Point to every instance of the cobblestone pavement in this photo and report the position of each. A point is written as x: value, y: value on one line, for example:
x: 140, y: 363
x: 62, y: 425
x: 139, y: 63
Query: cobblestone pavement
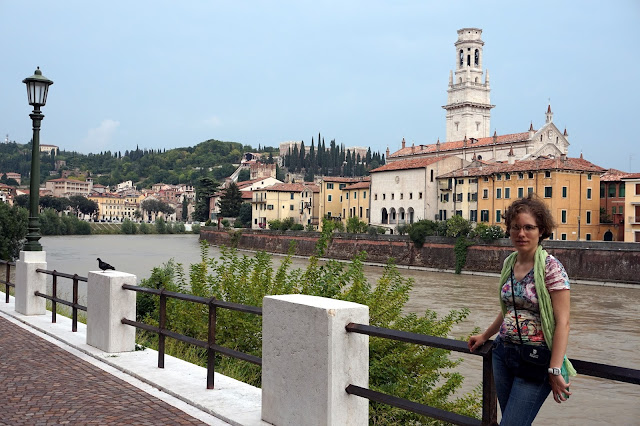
x: 41, y: 384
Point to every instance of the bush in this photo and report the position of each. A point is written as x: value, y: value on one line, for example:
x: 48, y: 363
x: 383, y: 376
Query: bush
x: 225, y: 223
x: 208, y: 222
x: 402, y: 229
x: 310, y: 227
x: 128, y: 227
x: 415, y: 372
x: 356, y: 226
x: 457, y: 226
x: 420, y: 230
x: 144, y: 228
x: 487, y: 233
x: 297, y: 227
x: 195, y: 228
x: 13, y: 226
x: 161, y: 226
x: 178, y: 228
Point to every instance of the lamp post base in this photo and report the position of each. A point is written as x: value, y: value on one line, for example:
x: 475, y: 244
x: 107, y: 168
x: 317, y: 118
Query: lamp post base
x: 33, y: 235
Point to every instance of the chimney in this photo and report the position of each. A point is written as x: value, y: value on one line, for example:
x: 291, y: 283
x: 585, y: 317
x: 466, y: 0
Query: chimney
x: 511, y: 156
x: 403, y: 143
x: 413, y: 148
x: 387, y: 152
x: 531, y: 131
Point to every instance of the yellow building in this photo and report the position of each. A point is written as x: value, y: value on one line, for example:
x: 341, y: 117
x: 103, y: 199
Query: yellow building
x: 331, y: 195
x: 632, y: 208
x: 299, y: 201
x: 458, y: 195
x: 114, y: 207
x: 568, y: 186
x: 355, y: 201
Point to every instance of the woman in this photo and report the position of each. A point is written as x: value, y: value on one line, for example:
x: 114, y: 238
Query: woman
x: 525, y: 275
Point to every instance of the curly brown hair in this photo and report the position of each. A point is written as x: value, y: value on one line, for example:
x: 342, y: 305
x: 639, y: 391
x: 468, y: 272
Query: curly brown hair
x: 533, y: 205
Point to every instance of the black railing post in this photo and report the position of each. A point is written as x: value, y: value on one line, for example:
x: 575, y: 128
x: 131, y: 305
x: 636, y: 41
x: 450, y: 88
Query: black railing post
x: 54, y: 291
x: 74, y: 309
x: 162, y: 323
x: 211, y: 340
x: 489, y: 398
x: 6, y: 282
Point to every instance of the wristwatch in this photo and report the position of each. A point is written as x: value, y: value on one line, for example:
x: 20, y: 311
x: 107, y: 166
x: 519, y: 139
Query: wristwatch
x: 554, y: 371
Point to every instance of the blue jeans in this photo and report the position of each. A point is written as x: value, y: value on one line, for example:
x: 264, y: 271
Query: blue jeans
x: 519, y: 400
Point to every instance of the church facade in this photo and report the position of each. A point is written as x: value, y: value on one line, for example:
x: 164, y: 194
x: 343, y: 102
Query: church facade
x: 468, y: 117
x: 468, y: 141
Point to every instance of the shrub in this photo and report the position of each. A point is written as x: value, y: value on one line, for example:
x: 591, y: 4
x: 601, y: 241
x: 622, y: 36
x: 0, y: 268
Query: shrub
x: 275, y: 224
x: 144, y: 228
x: 310, y: 227
x: 356, y: 226
x: 195, y: 228
x: 420, y: 230
x: 178, y: 228
x: 488, y: 233
x: 415, y: 372
x: 458, y: 226
x: 161, y: 226
x: 128, y: 227
x: 402, y: 229
x: 225, y: 223
x: 297, y: 227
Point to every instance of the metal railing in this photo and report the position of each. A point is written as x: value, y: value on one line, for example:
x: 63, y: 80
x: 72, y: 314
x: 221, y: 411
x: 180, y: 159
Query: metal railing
x: 489, y: 399
x: 7, y: 281
x: 55, y: 299
x: 210, y: 345
x: 489, y: 406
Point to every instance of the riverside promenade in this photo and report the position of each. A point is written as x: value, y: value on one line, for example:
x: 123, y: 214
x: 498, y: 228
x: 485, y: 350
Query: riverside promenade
x: 48, y: 375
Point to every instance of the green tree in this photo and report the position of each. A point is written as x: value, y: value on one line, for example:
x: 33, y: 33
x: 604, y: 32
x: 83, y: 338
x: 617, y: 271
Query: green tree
x: 356, y: 226
x: 156, y: 206
x: 244, y: 215
x: 230, y: 201
x: 13, y: 230
x: 83, y: 205
x: 204, y: 191
x: 244, y: 175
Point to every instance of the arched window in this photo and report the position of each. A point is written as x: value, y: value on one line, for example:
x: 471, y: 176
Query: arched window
x: 410, y: 214
x: 461, y: 57
x: 460, y: 80
x: 401, y: 215
x: 432, y: 172
x: 385, y: 216
x: 468, y: 60
x: 477, y: 58
x: 476, y: 80
x: 392, y: 216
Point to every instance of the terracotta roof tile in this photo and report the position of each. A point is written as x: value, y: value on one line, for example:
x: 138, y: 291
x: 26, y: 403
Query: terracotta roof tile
x: 411, y: 163
x: 449, y: 146
x: 291, y: 187
x: 359, y: 185
x: 542, y: 163
x: 341, y: 179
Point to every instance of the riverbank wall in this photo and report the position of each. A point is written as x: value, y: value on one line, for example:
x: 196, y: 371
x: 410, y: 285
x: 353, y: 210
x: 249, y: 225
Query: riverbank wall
x: 583, y: 260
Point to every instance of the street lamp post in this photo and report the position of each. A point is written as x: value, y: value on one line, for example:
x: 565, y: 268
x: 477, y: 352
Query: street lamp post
x: 37, y: 88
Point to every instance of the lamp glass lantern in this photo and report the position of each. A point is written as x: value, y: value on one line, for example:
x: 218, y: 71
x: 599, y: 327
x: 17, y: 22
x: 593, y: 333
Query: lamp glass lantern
x: 37, y: 88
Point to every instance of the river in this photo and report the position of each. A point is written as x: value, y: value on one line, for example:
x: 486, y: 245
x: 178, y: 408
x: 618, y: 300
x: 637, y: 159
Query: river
x: 605, y: 321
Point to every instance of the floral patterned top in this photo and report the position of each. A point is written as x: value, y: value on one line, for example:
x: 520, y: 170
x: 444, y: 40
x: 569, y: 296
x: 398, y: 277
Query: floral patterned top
x: 527, y: 304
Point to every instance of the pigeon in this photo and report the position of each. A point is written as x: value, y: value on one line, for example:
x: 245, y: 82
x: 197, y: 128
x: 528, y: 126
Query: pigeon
x: 104, y: 265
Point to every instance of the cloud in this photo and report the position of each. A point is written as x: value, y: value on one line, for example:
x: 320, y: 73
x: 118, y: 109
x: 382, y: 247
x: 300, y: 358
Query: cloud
x: 213, y: 121
x: 100, y: 137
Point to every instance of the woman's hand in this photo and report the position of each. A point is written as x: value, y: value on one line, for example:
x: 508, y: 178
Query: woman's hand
x: 476, y: 341
x: 559, y: 388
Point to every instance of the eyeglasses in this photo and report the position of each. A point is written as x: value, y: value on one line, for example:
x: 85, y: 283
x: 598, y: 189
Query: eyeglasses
x: 526, y: 228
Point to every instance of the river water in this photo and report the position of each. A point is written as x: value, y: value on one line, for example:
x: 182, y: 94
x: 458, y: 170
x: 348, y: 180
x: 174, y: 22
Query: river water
x: 605, y: 321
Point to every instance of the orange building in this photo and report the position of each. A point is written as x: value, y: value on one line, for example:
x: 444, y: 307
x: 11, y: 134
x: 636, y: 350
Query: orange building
x: 567, y: 186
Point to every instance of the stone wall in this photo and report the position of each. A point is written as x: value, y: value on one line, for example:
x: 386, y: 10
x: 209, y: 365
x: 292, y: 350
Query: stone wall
x: 584, y: 260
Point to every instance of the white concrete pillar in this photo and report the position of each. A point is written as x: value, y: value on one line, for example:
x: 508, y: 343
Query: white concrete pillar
x: 28, y: 281
x: 107, y: 304
x: 308, y: 359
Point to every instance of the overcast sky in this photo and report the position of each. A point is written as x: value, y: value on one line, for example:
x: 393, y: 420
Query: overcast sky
x: 167, y: 74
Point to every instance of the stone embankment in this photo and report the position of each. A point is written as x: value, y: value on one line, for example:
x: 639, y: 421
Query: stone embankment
x: 584, y: 260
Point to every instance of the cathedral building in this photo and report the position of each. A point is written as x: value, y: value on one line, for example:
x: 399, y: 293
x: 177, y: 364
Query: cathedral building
x: 468, y: 117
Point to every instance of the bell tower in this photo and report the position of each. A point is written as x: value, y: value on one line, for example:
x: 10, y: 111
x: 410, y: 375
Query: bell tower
x: 468, y: 102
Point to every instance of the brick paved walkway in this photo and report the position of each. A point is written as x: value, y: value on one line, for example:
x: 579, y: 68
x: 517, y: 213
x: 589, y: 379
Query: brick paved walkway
x: 41, y: 384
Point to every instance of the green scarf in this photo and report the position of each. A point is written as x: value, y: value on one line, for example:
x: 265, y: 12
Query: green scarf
x: 544, y: 300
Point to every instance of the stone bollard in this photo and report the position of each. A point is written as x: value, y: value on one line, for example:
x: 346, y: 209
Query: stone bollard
x: 107, y: 304
x: 28, y: 281
x: 308, y: 359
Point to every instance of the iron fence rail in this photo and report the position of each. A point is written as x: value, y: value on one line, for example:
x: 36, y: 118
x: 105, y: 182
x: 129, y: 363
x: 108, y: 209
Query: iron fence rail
x: 489, y: 399
x: 7, y: 281
x: 210, y: 345
x: 75, y: 306
x: 489, y: 406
